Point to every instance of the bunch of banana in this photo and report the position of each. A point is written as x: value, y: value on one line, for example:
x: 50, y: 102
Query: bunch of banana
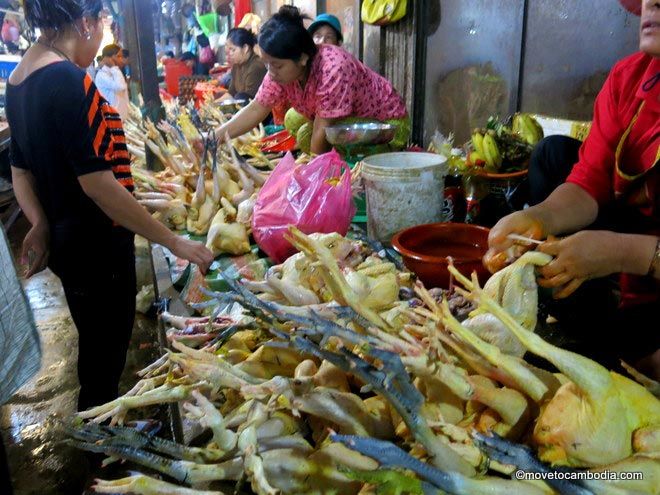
x: 485, y: 148
x: 527, y: 127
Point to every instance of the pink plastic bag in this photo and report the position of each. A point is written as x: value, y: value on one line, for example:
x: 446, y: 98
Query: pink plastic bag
x: 315, y: 197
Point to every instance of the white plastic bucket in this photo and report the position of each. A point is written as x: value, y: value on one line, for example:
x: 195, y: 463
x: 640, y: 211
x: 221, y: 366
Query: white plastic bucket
x: 402, y: 190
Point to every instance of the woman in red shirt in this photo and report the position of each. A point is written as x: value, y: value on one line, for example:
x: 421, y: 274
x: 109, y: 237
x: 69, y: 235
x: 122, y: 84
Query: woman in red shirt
x: 606, y: 205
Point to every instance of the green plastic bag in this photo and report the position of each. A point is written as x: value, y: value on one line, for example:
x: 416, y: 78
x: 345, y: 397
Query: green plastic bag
x: 208, y: 23
x: 383, y: 12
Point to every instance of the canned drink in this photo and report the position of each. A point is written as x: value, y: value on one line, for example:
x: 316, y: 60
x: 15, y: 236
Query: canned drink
x: 454, y: 207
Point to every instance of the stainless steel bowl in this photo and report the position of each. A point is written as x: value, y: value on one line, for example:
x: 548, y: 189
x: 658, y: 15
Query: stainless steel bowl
x: 231, y: 105
x: 364, y: 133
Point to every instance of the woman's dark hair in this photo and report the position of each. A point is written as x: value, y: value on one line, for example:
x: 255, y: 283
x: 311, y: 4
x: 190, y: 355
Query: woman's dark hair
x: 188, y: 56
x: 203, y: 40
x: 55, y: 14
x: 241, y: 37
x: 284, y: 35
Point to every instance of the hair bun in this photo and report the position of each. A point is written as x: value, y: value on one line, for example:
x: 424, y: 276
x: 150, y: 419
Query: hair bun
x: 291, y: 14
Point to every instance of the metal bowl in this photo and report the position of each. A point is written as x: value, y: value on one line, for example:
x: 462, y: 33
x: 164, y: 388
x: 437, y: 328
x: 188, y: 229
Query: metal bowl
x: 231, y: 105
x: 364, y: 133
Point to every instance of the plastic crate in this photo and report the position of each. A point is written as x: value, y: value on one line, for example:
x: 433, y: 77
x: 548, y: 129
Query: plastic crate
x: 174, y: 71
x: 7, y: 65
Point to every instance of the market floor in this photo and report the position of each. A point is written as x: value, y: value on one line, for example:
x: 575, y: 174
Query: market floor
x: 39, y: 460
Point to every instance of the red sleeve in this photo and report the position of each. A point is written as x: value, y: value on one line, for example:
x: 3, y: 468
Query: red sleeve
x: 595, y: 167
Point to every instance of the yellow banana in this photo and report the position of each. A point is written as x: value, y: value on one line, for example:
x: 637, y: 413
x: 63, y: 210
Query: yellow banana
x: 477, y: 142
x: 476, y: 157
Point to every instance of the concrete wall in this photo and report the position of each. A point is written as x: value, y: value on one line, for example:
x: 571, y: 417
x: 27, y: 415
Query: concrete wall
x: 568, y: 46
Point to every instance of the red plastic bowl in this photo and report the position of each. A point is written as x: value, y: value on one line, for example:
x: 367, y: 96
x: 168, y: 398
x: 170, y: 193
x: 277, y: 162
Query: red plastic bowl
x: 278, y: 142
x: 425, y: 250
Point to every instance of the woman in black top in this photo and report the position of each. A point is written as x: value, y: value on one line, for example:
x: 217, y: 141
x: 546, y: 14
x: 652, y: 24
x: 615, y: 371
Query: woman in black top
x: 72, y: 178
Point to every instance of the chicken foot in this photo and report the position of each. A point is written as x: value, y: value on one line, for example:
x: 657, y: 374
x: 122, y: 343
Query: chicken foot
x: 140, y: 484
x: 389, y: 455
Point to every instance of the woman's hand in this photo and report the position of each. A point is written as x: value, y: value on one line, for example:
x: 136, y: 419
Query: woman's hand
x: 582, y: 256
x: 193, y: 251
x: 521, y: 223
x: 121, y: 206
x: 35, y: 249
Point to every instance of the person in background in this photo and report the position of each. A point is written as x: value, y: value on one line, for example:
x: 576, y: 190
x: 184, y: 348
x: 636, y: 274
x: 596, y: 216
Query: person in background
x: 206, y: 54
x: 324, y: 83
x: 190, y: 59
x: 247, y: 70
x: 72, y: 178
x: 603, y: 197
x: 93, y: 69
x: 126, y: 60
x: 11, y: 33
x: 326, y: 29
x: 111, y: 81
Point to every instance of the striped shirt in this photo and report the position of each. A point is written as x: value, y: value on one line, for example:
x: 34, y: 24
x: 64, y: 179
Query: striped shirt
x: 62, y: 128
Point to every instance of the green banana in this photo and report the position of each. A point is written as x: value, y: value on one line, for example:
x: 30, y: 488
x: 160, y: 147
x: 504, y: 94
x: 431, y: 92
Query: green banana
x: 537, y: 128
x: 492, y: 152
x: 516, y: 126
x: 527, y: 127
x: 477, y: 142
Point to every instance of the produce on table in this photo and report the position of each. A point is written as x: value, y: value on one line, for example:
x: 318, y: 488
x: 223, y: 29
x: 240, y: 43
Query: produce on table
x: 500, y: 148
x: 311, y: 387
x: 210, y: 191
x: 293, y: 121
x: 527, y: 127
x: 304, y: 137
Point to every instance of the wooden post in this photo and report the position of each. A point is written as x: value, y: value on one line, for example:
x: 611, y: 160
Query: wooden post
x: 140, y: 40
x: 403, y: 62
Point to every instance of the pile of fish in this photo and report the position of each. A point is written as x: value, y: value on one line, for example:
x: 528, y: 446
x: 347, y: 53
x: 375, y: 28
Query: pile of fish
x: 338, y: 373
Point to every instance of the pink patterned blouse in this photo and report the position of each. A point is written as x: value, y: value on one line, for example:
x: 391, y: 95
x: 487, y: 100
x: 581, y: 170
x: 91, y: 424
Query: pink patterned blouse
x: 338, y: 86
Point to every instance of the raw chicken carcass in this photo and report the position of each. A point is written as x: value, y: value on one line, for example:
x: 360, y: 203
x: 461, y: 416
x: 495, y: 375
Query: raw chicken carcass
x: 515, y: 289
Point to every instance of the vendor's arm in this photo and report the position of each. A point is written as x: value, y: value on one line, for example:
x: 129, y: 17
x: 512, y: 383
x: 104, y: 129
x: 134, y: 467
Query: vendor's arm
x: 575, y: 204
x: 568, y: 209
x: 319, y: 142
x: 120, y: 205
x: 591, y: 254
x: 244, y: 121
x: 96, y: 150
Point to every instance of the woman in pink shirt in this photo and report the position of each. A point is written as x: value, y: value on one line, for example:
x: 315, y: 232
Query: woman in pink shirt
x: 326, y: 84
